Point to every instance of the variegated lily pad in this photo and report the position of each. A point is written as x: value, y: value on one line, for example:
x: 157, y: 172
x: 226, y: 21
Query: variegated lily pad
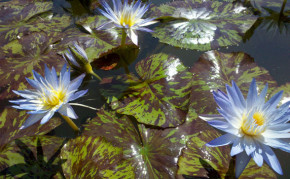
x: 94, y: 42
x: 160, y: 96
x: 202, y: 25
x: 214, y: 70
x: 30, y: 157
x: 11, y: 120
x: 153, y: 153
x: 199, y: 160
x: 19, y: 57
x: 94, y: 157
x: 21, y: 20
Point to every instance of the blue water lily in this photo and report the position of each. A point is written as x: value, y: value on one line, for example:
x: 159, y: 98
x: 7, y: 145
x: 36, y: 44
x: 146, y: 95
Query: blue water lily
x: 126, y: 16
x: 50, y: 94
x: 251, y: 125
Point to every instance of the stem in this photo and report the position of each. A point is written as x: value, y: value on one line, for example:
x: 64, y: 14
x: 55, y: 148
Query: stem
x: 82, y: 105
x: 71, y: 123
x: 95, y: 75
x: 123, y: 41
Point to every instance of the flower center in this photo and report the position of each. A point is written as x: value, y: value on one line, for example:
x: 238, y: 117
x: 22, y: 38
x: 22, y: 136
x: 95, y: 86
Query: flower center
x: 127, y: 19
x: 54, y: 99
x: 253, y: 125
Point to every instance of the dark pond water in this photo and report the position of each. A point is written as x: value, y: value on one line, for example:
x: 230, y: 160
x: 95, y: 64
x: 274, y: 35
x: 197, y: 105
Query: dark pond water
x: 266, y: 42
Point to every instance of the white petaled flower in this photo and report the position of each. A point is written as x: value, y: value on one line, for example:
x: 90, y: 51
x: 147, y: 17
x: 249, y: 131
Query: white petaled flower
x: 252, y: 126
x: 127, y: 16
x: 50, y: 94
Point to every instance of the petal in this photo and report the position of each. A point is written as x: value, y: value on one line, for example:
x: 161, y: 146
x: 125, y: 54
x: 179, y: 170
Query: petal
x: 107, y: 25
x: 277, y: 116
x: 242, y: 161
x: 252, y: 95
x: 234, y: 98
x: 47, y: 117
x: 271, y: 159
x: 222, y: 140
x: 249, y: 144
x: 77, y: 95
x: 273, y: 102
x: 237, y: 147
x: 68, y: 111
x: 133, y: 36
x: 257, y: 155
x: 31, y: 120
x: 278, y: 143
x: 75, y: 84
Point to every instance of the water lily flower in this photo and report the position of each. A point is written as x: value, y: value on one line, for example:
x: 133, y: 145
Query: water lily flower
x: 78, y: 59
x: 251, y: 125
x: 126, y: 16
x: 50, y: 94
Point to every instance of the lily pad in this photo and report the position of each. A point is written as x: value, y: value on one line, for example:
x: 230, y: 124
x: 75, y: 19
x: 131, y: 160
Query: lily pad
x: 160, y: 95
x: 202, y: 25
x: 32, y: 157
x: 286, y: 92
x: 153, y: 153
x: 94, y: 42
x: 215, y: 69
x: 23, y: 20
x: 199, y: 160
x: 20, y: 57
x: 11, y: 120
x: 94, y: 157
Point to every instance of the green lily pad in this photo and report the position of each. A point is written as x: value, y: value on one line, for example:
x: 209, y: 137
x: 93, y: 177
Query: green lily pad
x: 21, y: 20
x: 153, y: 153
x: 160, y: 95
x: 94, y: 42
x: 202, y: 25
x: 94, y: 157
x: 11, y: 120
x: 199, y: 160
x: 21, y: 57
x: 215, y: 69
x: 32, y: 157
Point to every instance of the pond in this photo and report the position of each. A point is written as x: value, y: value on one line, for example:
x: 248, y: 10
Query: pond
x: 146, y: 95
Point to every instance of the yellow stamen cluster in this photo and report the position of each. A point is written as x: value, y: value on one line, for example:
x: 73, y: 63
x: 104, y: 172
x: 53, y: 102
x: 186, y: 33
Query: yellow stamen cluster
x: 56, y: 98
x: 253, y: 126
x: 127, y: 19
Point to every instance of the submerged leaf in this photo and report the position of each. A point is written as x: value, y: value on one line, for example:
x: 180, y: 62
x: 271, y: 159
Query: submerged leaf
x: 31, y: 157
x: 215, y: 69
x: 160, y: 96
x: 202, y: 25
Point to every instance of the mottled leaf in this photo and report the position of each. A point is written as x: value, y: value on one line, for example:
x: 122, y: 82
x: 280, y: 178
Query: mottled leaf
x: 11, y: 120
x: 214, y: 70
x: 202, y: 25
x: 153, y: 153
x: 93, y: 41
x: 160, y: 95
x: 94, y: 157
x: 214, y: 162
x: 31, y: 157
x: 19, y: 21
x: 19, y: 57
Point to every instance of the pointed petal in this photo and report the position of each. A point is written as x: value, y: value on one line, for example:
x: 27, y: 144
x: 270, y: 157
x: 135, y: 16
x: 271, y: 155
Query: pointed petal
x: 222, y: 140
x: 242, y: 161
x: 68, y: 111
x: 133, y: 36
x: 31, y: 120
x: 77, y: 95
x: 47, y: 117
x: 252, y: 94
x: 271, y: 159
x: 237, y: 147
x: 75, y: 84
